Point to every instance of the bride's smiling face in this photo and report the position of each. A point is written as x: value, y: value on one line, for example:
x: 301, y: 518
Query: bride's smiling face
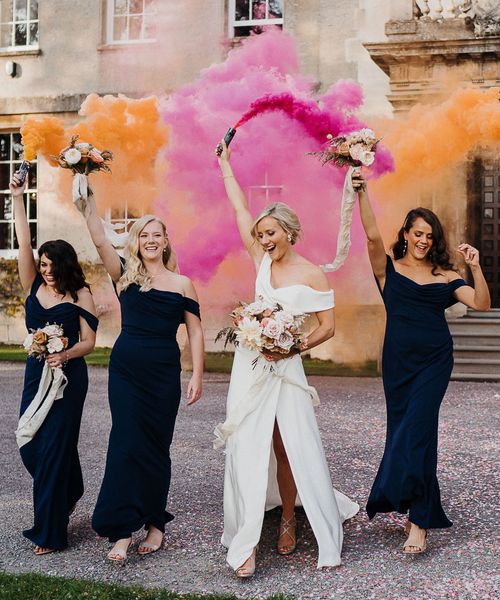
x: 272, y: 237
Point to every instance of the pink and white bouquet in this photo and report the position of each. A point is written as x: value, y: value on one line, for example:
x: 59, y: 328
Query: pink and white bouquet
x: 264, y: 326
x: 353, y: 149
x: 39, y: 343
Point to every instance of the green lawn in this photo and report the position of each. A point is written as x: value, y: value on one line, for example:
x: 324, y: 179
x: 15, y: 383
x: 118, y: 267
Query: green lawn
x: 32, y: 586
x: 220, y: 362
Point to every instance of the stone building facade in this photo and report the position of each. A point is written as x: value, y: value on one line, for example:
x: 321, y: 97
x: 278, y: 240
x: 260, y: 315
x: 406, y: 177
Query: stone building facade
x: 53, y: 56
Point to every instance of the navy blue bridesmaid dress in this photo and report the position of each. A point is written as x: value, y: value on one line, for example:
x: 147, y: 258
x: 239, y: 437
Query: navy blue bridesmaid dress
x: 51, y: 457
x: 417, y: 362
x: 144, y: 395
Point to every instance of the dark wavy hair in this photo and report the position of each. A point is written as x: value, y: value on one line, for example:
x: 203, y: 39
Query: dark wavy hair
x: 65, y: 267
x: 439, y: 254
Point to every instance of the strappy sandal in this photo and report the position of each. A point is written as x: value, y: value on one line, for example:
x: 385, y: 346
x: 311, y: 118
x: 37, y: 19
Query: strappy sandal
x: 119, y: 555
x: 146, y: 548
x: 287, y: 527
x: 40, y: 550
x: 420, y: 549
x: 247, y: 571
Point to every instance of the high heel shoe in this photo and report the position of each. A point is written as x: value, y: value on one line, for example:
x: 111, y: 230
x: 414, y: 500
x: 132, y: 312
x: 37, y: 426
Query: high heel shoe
x: 119, y: 555
x: 287, y: 527
x: 247, y: 569
x: 418, y: 548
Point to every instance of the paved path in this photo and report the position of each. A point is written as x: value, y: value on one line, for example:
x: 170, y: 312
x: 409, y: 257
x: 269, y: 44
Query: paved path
x: 458, y: 564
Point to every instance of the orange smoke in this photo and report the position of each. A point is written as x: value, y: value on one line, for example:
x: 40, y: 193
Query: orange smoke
x: 431, y: 139
x: 131, y: 129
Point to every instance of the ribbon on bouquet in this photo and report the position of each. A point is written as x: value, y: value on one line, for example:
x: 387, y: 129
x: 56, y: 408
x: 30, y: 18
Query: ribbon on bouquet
x: 256, y: 395
x: 51, y: 388
x: 81, y: 193
x: 344, y: 237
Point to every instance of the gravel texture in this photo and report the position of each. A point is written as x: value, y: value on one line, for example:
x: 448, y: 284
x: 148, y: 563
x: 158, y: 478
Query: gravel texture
x: 459, y: 562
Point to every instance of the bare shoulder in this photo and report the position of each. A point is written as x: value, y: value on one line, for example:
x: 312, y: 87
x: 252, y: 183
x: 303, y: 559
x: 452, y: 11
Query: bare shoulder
x: 315, y: 276
x: 86, y: 300
x: 188, y: 288
x: 451, y: 275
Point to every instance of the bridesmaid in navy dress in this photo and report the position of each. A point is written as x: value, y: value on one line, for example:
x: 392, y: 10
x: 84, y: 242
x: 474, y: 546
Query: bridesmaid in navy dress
x: 417, y: 284
x: 144, y: 382
x: 56, y: 293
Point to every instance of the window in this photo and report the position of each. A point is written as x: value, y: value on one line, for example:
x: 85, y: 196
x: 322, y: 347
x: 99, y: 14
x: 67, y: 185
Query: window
x: 118, y: 221
x: 248, y: 17
x: 131, y: 21
x: 10, y: 158
x: 260, y: 196
x: 19, y: 23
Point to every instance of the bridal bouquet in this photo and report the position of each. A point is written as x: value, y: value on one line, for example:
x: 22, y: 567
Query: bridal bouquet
x: 262, y: 326
x: 82, y: 158
x: 39, y: 344
x: 46, y: 340
x: 354, y: 150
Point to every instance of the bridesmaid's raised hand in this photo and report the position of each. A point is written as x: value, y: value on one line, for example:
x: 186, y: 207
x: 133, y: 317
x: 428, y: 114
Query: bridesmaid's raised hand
x: 16, y: 187
x: 358, y: 181
x: 194, y: 390
x: 470, y: 254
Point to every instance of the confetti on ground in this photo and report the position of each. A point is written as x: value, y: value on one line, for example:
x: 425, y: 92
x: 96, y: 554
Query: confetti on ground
x: 459, y: 563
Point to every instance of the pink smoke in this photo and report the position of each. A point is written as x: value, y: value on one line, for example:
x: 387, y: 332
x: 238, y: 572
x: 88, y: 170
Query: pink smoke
x: 271, y: 149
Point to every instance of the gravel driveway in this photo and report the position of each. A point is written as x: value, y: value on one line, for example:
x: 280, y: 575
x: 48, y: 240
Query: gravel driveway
x: 459, y: 562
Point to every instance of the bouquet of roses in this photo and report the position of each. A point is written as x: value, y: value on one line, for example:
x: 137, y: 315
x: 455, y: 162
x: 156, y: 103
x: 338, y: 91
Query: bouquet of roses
x: 353, y: 149
x: 83, y: 158
x: 264, y: 326
x: 39, y: 343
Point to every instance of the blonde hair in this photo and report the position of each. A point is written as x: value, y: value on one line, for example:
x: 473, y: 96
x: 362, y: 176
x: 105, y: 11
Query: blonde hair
x: 135, y: 271
x: 286, y: 217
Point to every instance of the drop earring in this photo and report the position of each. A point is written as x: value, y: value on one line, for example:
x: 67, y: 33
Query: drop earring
x: 405, y: 247
x: 289, y: 237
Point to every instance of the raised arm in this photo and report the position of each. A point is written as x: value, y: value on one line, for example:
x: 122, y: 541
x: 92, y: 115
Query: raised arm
x: 239, y: 203
x: 108, y: 254
x: 376, y: 250
x: 25, y: 263
x: 478, y: 297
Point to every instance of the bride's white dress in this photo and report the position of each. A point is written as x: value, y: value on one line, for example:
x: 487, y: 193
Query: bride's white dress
x: 257, y: 396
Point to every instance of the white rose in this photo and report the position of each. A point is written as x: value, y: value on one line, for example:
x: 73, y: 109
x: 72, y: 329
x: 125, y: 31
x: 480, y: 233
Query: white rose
x: 367, y: 157
x: 284, y: 318
x: 28, y: 341
x: 249, y: 333
x: 285, y: 341
x: 72, y: 156
x: 273, y: 329
x: 53, y: 330
x: 55, y: 345
x: 366, y: 133
x: 355, y: 151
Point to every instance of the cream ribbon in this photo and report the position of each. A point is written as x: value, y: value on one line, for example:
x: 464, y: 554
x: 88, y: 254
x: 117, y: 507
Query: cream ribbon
x: 51, y: 388
x: 256, y: 395
x: 344, y: 237
x: 81, y: 192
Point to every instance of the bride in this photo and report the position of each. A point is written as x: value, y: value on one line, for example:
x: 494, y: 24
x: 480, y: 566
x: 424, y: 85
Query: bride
x: 274, y: 454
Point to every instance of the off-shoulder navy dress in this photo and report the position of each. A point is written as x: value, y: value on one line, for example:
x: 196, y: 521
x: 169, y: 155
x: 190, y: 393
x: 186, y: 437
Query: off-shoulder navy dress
x: 144, y: 395
x: 51, y: 457
x: 417, y: 362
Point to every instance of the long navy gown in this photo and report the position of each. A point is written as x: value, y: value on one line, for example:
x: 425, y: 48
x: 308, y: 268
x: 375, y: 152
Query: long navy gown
x: 51, y: 457
x: 417, y: 362
x: 144, y: 395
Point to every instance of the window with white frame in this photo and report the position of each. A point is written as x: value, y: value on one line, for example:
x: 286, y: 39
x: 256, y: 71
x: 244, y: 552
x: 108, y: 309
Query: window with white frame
x: 123, y: 217
x: 131, y: 21
x: 247, y: 17
x: 10, y: 159
x: 19, y: 24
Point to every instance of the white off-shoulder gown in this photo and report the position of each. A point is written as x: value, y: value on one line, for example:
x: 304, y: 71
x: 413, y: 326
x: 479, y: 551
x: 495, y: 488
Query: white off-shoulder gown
x: 257, y: 396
